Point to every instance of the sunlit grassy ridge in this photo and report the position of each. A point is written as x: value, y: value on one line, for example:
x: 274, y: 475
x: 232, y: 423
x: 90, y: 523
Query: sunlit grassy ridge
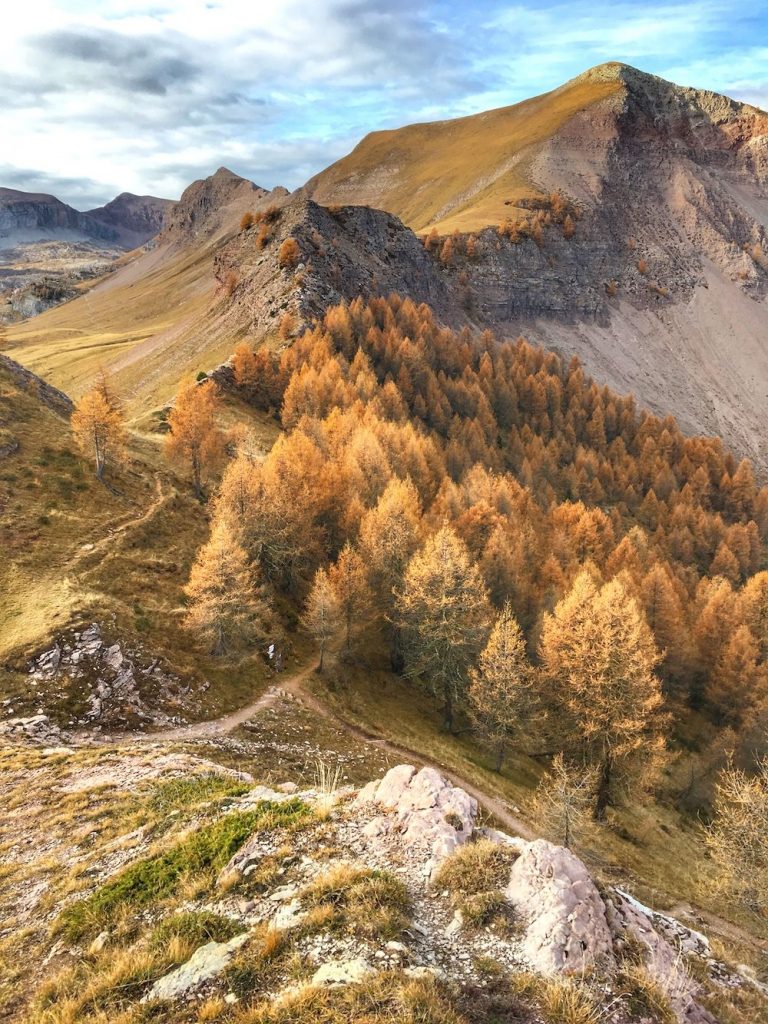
x: 461, y: 173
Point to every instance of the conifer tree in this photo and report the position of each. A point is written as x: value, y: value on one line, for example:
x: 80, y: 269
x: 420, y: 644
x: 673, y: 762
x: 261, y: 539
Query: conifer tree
x: 194, y: 438
x: 501, y: 697
x: 664, y: 615
x: 737, y: 681
x: 389, y: 535
x: 738, y: 837
x: 563, y: 801
x: 598, y: 656
x: 350, y: 582
x: 444, y: 611
x: 226, y: 604
x: 754, y: 608
x: 98, y: 424
x: 322, y: 613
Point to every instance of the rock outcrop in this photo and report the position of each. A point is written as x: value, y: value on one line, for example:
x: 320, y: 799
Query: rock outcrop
x: 566, y: 928
x: 107, y: 683
x: 35, y: 729
x: 424, y: 808
x: 50, y: 396
x: 206, y: 963
x: 288, y: 890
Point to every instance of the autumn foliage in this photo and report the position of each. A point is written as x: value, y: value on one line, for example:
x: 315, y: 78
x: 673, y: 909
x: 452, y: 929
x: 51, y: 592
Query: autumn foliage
x: 289, y: 254
x: 195, y: 440
x: 98, y: 424
x: 226, y: 605
x: 495, y: 474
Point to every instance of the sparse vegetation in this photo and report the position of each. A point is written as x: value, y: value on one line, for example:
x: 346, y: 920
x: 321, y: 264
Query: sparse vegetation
x: 475, y: 875
x: 150, y: 881
x: 360, y: 901
x: 563, y: 802
x: 738, y: 836
x: 643, y: 996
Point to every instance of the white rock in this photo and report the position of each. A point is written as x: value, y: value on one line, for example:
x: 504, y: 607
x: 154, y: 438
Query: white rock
x: 455, y: 925
x: 342, y: 972
x: 394, y: 784
x: 396, y: 947
x: 205, y: 963
x: 289, y: 916
x: 566, y: 925
x: 99, y: 943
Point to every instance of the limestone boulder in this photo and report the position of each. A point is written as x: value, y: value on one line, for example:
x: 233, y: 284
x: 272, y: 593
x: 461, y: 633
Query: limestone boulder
x: 566, y: 927
x: 426, y: 808
x: 205, y: 964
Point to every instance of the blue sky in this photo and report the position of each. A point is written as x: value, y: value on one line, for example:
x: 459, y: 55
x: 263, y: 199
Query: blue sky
x: 146, y: 95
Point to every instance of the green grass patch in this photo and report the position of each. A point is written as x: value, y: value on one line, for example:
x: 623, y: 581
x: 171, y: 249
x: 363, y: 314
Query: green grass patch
x: 159, y: 877
x: 194, y: 928
x: 185, y: 792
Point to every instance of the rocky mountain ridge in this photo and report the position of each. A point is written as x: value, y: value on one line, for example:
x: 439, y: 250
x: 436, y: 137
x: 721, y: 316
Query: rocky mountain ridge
x: 636, y: 239
x: 136, y: 219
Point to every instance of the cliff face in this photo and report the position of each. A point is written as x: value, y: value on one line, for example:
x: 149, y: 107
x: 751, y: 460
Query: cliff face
x: 29, y: 216
x: 136, y: 219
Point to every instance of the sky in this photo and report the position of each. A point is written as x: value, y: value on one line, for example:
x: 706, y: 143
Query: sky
x: 145, y: 96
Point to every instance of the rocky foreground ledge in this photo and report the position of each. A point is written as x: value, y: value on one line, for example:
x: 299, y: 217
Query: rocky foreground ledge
x: 549, y: 916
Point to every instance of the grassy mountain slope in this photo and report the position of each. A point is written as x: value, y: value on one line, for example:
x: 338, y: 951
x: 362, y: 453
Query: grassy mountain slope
x: 145, y: 322
x: 474, y: 171
x: 464, y: 173
x: 76, y: 551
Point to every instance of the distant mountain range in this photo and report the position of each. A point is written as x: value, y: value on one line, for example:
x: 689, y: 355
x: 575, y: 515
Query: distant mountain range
x: 127, y: 221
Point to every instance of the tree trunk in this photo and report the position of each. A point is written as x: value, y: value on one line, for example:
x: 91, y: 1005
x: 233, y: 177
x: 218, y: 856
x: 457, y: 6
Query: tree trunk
x: 447, y: 709
x: 99, y: 462
x: 500, y: 751
x: 603, y: 796
x: 322, y: 656
x: 396, y: 659
x: 196, y: 480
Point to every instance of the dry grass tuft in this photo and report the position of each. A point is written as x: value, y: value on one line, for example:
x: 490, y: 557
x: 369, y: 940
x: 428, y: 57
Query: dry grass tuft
x: 359, y: 901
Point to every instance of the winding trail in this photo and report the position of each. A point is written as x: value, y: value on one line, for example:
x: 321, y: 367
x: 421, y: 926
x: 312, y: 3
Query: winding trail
x: 294, y: 684
x: 108, y: 542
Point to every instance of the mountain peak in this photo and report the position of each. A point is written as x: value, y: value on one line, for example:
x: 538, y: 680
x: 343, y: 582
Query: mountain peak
x: 224, y: 173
